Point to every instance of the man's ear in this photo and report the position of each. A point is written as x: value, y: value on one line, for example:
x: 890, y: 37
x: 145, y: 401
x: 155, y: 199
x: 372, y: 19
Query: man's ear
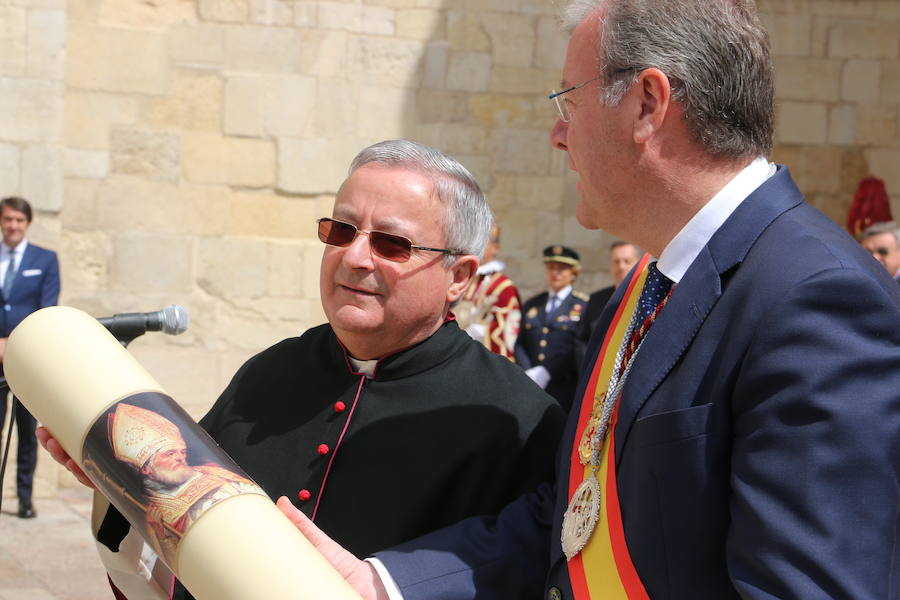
x: 462, y: 272
x: 653, y: 94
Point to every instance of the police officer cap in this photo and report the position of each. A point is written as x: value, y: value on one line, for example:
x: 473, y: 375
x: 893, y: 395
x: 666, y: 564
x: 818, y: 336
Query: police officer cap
x: 561, y: 254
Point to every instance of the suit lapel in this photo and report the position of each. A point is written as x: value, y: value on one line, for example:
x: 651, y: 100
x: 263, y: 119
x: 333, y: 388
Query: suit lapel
x: 668, y: 338
x: 565, y: 305
x: 542, y: 308
x: 696, y: 294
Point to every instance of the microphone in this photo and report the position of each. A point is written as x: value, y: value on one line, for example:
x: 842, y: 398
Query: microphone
x: 172, y: 320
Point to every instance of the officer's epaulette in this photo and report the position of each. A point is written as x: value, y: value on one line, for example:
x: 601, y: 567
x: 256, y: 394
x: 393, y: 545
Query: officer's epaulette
x: 581, y: 296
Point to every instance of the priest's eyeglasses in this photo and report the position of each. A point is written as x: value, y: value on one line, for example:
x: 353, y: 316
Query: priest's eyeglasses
x: 395, y: 248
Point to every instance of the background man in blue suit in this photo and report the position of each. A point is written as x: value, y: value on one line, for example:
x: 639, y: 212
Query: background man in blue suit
x: 756, y: 445
x: 29, y: 281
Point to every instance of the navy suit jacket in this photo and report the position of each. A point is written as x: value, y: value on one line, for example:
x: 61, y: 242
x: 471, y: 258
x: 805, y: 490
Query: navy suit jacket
x: 35, y: 286
x: 758, y: 440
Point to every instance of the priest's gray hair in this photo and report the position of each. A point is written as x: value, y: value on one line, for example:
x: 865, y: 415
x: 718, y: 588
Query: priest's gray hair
x: 714, y: 52
x: 467, y: 218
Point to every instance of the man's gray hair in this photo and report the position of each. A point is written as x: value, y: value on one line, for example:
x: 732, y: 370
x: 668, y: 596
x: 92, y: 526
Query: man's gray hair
x: 883, y: 227
x: 715, y: 54
x: 467, y: 218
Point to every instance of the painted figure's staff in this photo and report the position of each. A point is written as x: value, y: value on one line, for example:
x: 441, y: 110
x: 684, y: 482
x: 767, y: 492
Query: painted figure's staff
x: 97, y: 474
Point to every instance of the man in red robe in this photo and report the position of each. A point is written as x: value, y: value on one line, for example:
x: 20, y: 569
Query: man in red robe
x: 490, y: 309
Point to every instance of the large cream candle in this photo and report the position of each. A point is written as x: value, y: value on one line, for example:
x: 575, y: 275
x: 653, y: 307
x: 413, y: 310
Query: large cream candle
x: 222, y: 537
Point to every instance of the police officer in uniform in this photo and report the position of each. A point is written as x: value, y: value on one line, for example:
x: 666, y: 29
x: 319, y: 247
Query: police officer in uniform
x: 546, y: 346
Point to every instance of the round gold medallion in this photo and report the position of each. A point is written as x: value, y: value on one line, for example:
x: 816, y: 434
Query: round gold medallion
x: 581, y: 517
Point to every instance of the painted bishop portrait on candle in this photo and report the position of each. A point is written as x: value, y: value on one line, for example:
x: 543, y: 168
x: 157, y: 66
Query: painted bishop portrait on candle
x: 157, y: 473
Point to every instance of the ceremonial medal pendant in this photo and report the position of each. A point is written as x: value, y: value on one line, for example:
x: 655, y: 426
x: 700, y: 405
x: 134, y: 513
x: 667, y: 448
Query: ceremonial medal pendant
x: 586, y: 445
x: 581, y: 516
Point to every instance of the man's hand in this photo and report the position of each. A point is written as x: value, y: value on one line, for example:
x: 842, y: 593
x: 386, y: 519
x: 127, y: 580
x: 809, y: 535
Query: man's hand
x: 59, y: 455
x: 359, y: 574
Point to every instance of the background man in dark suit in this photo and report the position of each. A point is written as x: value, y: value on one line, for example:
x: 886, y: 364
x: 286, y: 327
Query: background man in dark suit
x: 751, y: 447
x: 546, y: 346
x: 29, y: 281
x: 883, y: 241
x: 622, y: 256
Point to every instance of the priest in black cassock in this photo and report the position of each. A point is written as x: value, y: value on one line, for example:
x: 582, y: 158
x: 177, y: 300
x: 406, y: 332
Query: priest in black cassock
x: 389, y: 421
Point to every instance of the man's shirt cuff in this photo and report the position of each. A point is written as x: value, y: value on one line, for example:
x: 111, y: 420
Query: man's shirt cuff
x: 387, y: 581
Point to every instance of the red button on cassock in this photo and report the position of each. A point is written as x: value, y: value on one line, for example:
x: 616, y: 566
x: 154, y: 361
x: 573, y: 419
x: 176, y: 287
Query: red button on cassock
x: 304, y: 495
x: 322, y: 449
x: 339, y: 407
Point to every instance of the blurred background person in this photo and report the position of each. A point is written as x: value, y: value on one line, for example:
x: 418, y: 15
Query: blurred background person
x: 490, y: 309
x: 546, y: 346
x: 622, y: 256
x: 29, y: 281
x: 883, y: 241
x: 871, y: 204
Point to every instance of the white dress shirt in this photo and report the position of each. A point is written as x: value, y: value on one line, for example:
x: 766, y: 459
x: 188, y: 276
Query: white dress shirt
x: 560, y: 296
x: 679, y: 253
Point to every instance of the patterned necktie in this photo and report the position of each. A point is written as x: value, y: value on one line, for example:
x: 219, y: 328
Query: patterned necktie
x: 10, y: 274
x: 656, y: 288
x: 656, y: 292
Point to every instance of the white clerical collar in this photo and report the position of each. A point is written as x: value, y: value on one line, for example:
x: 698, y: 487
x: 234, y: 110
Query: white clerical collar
x: 366, y: 367
x: 679, y: 253
x: 495, y: 266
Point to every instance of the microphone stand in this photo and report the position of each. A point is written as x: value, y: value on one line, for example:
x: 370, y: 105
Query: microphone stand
x: 127, y: 340
x: 4, y: 389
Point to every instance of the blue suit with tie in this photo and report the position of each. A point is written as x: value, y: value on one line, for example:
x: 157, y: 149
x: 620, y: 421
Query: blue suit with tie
x: 758, y: 439
x: 35, y: 286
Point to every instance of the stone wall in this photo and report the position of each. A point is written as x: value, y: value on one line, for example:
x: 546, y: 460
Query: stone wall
x: 180, y: 150
x: 837, y: 72
x: 32, y: 65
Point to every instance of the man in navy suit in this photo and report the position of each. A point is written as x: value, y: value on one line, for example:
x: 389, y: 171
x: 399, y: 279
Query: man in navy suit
x: 29, y: 281
x: 753, y: 441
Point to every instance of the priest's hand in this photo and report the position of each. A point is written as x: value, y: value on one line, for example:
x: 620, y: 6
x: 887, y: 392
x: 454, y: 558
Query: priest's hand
x: 361, y: 575
x: 59, y: 455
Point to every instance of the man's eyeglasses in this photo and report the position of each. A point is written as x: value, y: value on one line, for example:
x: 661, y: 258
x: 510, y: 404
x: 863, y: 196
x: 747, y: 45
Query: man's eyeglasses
x: 564, y: 113
x: 391, y: 247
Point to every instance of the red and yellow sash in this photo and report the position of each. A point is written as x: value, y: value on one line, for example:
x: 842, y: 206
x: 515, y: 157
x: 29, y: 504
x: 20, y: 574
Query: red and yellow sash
x: 603, y: 569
